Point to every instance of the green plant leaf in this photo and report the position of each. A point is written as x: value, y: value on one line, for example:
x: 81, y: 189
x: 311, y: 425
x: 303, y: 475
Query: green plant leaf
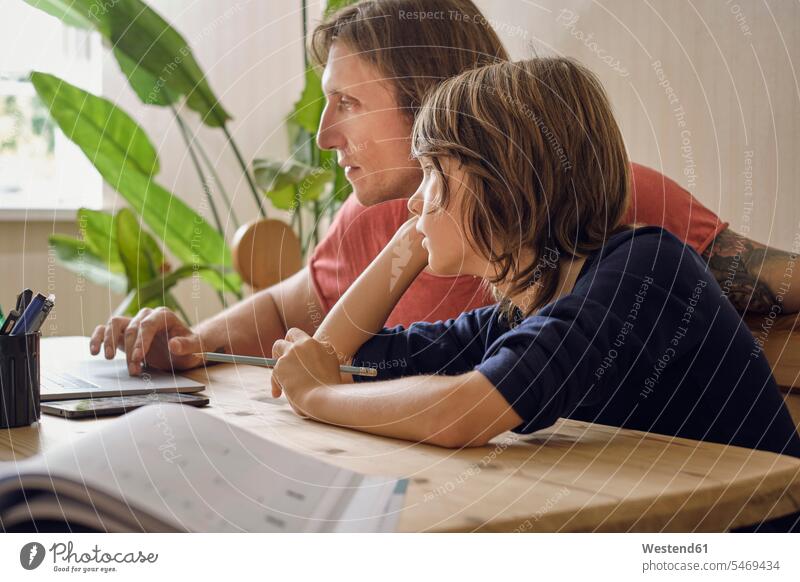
x: 172, y: 303
x: 144, y: 37
x: 282, y: 198
x: 275, y: 174
x: 149, y: 90
x: 184, y: 232
x: 315, y: 185
x: 156, y: 291
x: 302, y: 143
x: 135, y: 250
x: 104, y: 132
x: 99, y: 127
x: 341, y: 186
x: 148, y: 246
x: 64, y: 10
x: 334, y: 5
x: 307, y: 110
x: 284, y: 182
x: 169, y: 280
x: 76, y: 256
x: 133, y: 302
x: 98, y: 231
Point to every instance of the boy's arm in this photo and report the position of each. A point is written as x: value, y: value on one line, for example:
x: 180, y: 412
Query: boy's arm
x: 251, y: 326
x: 756, y: 278
x: 449, y: 411
x: 365, y: 306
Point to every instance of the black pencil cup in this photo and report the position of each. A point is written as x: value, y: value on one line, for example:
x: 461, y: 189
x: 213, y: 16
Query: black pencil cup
x: 19, y: 379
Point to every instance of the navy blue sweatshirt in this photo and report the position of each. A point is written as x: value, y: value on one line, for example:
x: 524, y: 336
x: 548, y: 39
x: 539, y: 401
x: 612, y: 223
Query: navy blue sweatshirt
x: 646, y: 340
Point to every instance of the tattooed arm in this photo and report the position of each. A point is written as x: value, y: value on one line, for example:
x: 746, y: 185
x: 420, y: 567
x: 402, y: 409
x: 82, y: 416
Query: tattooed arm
x: 755, y: 277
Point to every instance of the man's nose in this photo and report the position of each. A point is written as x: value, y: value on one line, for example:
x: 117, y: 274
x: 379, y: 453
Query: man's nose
x: 328, y: 138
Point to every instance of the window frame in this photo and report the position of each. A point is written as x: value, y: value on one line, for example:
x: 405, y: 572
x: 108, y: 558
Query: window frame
x: 78, y: 57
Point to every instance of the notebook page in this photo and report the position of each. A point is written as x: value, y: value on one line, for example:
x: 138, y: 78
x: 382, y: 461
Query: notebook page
x: 200, y: 473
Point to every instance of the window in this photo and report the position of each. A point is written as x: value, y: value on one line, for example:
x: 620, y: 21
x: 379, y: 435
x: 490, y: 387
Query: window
x: 40, y: 169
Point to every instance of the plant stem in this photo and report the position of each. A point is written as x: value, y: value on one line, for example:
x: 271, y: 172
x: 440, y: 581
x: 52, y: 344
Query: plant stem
x: 317, y: 215
x: 332, y: 202
x: 305, y: 32
x: 206, y: 190
x: 218, y: 182
x: 298, y: 216
x: 243, y: 164
x: 196, y: 163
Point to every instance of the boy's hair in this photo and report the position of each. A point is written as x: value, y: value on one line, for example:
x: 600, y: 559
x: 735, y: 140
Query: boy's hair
x: 545, y: 160
x: 415, y: 44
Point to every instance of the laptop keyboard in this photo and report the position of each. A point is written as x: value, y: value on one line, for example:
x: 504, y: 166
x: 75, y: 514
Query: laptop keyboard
x: 65, y: 381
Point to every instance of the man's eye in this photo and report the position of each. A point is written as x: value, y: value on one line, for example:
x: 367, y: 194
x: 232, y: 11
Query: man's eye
x: 345, y: 104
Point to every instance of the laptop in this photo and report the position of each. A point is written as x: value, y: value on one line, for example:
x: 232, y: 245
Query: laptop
x: 96, y: 377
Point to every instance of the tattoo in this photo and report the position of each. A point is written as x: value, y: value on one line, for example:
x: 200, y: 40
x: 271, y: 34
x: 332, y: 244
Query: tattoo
x: 742, y: 267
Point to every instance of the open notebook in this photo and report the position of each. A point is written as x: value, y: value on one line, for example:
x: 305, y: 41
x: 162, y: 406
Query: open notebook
x: 175, y: 468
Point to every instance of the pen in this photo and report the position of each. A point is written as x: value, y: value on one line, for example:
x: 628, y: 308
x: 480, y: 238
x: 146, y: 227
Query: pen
x: 25, y: 322
x: 9, y: 321
x: 23, y: 299
x: 270, y: 363
x: 43, y: 313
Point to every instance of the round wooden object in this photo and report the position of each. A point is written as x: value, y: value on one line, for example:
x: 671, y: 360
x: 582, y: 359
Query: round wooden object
x: 266, y: 251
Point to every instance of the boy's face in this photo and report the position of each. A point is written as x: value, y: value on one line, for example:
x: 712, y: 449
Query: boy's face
x: 446, y: 237
x: 371, y: 135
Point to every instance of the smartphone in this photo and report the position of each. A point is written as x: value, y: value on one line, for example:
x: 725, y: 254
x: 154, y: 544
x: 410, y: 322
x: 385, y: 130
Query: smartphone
x: 113, y: 405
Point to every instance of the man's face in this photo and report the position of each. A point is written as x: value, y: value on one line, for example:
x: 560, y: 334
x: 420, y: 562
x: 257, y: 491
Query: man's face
x: 371, y: 135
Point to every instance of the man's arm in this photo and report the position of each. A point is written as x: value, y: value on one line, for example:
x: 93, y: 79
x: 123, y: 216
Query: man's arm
x: 756, y: 278
x: 162, y: 340
x: 251, y: 326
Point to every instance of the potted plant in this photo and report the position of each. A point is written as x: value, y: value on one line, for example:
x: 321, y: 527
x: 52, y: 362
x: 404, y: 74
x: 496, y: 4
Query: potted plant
x: 117, y: 251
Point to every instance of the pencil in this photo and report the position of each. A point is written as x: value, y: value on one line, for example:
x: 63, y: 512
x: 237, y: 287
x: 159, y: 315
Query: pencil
x: 270, y: 363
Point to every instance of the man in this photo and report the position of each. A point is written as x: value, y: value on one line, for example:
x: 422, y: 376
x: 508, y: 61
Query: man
x: 380, y: 58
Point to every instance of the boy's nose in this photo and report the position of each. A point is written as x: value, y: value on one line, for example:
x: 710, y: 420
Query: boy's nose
x: 415, y: 204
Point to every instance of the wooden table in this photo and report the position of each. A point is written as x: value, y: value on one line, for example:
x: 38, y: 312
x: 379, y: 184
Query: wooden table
x: 575, y: 476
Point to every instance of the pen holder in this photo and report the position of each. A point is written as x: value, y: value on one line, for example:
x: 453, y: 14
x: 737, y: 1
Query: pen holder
x: 19, y: 380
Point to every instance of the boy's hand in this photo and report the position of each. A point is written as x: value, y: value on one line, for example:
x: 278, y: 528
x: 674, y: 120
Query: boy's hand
x: 304, y: 363
x: 407, y: 245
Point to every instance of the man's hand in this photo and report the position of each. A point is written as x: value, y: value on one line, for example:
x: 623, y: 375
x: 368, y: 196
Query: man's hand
x: 304, y: 364
x: 153, y: 337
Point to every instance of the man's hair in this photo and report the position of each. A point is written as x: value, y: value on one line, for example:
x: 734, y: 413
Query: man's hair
x: 545, y: 162
x: 415, y: 44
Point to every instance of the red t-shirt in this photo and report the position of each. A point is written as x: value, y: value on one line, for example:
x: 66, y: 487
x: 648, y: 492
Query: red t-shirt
x: 358, y: 233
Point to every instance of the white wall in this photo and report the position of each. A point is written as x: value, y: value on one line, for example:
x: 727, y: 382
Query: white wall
x: 738, y: 88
